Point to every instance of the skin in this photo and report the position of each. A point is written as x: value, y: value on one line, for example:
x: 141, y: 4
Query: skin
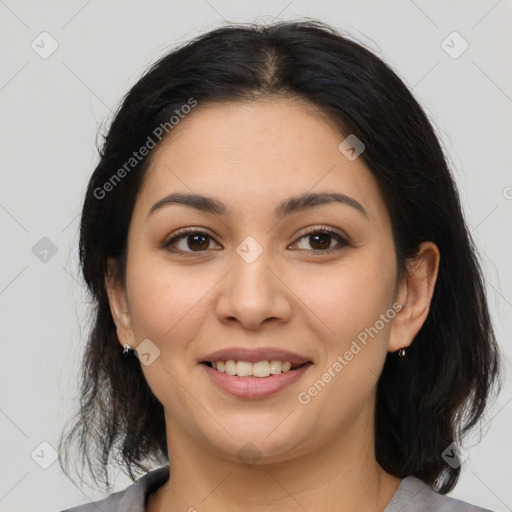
x: 314, y: 456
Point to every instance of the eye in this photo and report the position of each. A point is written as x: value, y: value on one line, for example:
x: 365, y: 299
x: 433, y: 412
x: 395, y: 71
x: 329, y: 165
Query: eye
x: 194, y: 240
x: 322, y: 238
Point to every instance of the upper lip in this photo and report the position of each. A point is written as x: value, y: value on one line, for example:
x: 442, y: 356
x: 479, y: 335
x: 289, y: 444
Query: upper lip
x: 254, y: 355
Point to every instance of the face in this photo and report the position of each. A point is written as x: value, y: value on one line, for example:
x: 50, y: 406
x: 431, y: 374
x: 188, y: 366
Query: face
x: 317, y: 281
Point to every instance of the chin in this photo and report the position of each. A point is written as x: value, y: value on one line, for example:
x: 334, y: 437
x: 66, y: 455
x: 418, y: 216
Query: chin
x: 260, y: 443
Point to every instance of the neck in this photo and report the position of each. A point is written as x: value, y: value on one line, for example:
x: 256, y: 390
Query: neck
x: 341, y: 475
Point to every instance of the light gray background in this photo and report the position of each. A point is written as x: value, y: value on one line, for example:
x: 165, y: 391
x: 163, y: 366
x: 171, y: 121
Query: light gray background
x: 51, y: 110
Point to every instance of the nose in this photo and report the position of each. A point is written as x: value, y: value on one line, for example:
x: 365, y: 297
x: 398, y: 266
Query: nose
x: 254, y: 292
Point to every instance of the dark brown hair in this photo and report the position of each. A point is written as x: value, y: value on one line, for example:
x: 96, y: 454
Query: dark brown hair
x: 425, y: 402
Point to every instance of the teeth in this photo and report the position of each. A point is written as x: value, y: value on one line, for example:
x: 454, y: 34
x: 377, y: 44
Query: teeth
x: 231, y: 367
x: 247, y: 369
x: 244, y: 369
x: 261, y: 369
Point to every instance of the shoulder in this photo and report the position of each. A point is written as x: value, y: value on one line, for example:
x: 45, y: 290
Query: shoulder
x: 131, y: 499
x: 414, y: 495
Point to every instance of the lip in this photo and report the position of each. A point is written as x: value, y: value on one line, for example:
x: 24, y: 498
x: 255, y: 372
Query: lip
x: 254, y: 387
x: 253, y: 355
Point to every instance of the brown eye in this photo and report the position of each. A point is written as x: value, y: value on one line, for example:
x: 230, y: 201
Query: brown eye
x: 190, y: 240
x: 187, y: 242
x: 320, y: 241
x: 197, y: 241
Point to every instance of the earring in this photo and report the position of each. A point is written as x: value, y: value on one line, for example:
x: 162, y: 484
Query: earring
x: 127, y: 350
x: 401, y: 352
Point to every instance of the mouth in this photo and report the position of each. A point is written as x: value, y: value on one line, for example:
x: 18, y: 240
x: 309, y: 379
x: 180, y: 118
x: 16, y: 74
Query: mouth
x: 258, y: 380
x: 258, y: 369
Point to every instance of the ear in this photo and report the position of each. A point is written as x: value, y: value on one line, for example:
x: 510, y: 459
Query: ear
x: 119, y: 306
x: 414, y: 294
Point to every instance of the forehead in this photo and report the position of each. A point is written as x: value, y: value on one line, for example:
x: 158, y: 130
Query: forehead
x: 253, y: 154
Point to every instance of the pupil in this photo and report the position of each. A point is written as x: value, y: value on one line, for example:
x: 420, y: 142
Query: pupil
x: 322, y: 236
x: 198, y: 236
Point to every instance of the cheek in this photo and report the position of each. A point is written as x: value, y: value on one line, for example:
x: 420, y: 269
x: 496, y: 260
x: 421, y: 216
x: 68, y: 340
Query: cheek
x: 348, y: 297
x: 350, y: 304
x: 161, y: 297
x: 342, y: 299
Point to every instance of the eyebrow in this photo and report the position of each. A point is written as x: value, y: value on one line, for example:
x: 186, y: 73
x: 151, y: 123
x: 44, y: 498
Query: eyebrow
x: 288, y: 206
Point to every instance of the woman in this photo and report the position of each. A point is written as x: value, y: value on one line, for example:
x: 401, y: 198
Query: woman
x: 290, y: 313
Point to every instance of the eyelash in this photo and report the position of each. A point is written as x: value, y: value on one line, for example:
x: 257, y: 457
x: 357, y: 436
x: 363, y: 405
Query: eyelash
x: 321, y: 230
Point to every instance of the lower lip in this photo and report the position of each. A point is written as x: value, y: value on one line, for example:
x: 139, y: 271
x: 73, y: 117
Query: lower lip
x: 254, y: 387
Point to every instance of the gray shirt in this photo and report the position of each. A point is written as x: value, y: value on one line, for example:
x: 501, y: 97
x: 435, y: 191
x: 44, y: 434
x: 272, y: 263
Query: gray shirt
x: 412, y: 495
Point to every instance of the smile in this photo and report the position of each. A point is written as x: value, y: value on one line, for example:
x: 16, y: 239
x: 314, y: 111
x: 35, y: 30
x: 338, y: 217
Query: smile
x: 256, y: 380
x: 248, y: 369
